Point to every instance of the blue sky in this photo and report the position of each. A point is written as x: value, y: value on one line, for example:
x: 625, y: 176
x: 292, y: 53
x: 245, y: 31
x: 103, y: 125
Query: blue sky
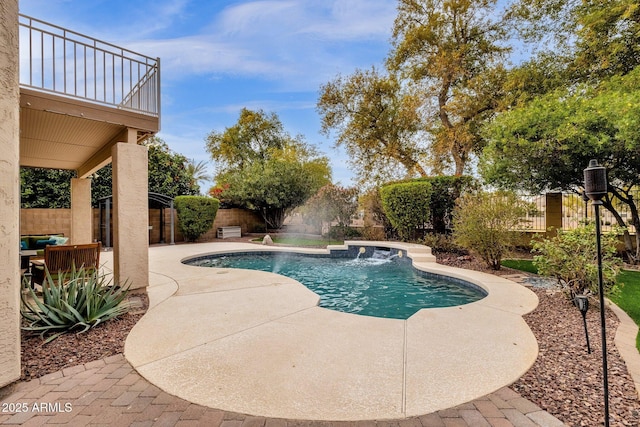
x: 220, y: 56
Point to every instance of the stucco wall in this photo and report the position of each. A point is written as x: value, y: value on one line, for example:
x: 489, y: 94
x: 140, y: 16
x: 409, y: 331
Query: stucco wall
x: 9, y: 194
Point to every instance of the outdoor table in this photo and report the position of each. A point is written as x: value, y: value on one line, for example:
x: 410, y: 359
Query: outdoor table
x: 25, y: 257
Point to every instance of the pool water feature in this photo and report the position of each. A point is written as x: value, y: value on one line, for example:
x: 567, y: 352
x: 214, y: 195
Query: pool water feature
x: 383, y: 285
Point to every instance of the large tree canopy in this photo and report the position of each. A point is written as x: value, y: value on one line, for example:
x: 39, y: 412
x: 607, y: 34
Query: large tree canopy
x: 251, y: 139
x: 377, y: 121
x: 443, y: 79
x: 454, y: 49
x: 261, y: 167
x: 594, y: 39
x: 546, y: 144
x: 45, y: 188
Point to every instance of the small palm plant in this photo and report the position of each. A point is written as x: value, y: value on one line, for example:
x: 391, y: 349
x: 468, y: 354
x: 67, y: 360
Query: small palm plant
x: 77, y: 301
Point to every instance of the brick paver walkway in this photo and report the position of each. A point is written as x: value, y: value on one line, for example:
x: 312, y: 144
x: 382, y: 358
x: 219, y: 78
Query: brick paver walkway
x: 109, y: 392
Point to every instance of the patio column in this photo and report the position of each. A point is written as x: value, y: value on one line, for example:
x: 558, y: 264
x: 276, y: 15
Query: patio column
x: 130, y: 212
x: 9, y: 194
x: 553, y: 213
x: 81, y: 215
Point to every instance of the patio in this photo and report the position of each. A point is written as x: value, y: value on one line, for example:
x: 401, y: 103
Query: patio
x: 114, y: 389
x: 204, y: 328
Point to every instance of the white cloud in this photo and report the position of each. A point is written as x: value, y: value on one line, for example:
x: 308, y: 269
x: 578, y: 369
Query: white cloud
x: 296, y: 42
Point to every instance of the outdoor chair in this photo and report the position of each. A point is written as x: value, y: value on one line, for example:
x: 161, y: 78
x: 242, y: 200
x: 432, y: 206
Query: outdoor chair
x: 62, y: 259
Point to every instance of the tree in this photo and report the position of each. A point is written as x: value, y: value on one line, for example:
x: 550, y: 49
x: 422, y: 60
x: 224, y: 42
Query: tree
x: 250, y: 140
x: 169, y: 171
x: 594, y: 39
x: 197, y: 171
x: 454, y: 51
x: 546, y: 144
x: 377, y: 121
x: 261, y: 167
x: 443, y: 79
x: 168, y: 174
x: 332, y: 203
x: 608, y: 38
x: 45, y: 188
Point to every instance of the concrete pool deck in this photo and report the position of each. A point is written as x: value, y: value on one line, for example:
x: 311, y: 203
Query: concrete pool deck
x: 257, y: 343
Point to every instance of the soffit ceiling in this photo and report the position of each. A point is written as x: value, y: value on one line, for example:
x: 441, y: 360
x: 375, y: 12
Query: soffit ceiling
x: 62, y: 133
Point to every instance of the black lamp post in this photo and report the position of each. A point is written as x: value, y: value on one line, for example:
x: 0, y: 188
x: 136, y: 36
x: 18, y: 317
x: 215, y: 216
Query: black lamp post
x: 595, y: 187
x: 582, y: 302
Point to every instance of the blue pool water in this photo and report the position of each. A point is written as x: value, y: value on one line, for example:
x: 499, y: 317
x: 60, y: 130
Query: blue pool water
x: 386, y: 288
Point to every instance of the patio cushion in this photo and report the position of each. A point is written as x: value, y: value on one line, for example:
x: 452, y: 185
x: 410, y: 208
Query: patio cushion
x: 40, y: 244
x: 32, y: 239
x: 59, y: 240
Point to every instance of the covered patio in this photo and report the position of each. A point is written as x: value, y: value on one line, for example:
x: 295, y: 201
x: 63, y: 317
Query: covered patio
x: 70, y: 101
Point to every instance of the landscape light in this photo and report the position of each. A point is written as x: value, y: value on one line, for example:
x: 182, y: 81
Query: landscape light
x: 595, y: 187
x: 582, y: 302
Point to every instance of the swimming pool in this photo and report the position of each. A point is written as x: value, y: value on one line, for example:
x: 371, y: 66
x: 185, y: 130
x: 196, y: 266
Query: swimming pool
x: 386, y: 286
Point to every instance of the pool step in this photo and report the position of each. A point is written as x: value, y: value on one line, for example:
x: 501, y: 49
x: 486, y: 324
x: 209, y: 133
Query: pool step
x: 417, y: 257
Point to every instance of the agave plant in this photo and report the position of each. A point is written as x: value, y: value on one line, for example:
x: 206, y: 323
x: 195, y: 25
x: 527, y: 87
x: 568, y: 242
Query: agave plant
x: 77, y: 301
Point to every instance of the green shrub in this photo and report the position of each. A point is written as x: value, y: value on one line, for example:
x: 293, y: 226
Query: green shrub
x: 77, y: 301
x: 445, y: 190
x: 376, y: 224
x: 195, y: 215
x: 342, y: 232
x: 571, y: 258
x: 407, y: 206
x: 486, y: 224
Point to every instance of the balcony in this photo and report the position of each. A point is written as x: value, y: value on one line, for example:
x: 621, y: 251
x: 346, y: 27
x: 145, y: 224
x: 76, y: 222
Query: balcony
x: 79, y: 95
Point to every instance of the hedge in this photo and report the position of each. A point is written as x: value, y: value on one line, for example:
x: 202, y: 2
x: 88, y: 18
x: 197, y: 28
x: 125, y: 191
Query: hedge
x: 195, y: 215
x: 407, y: 206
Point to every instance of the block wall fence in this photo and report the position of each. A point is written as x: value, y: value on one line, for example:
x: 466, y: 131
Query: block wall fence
x: 52, y: 221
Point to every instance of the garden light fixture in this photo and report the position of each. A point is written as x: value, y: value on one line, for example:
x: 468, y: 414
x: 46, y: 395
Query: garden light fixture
x: 582, y: 302
x: 595, y: 181
x: 595, y: 187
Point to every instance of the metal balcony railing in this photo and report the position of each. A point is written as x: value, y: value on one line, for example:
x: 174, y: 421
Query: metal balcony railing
x: 57, y: 60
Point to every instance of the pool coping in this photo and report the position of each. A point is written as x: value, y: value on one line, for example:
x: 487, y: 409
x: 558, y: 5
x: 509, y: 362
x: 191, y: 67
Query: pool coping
x: 188, y: 349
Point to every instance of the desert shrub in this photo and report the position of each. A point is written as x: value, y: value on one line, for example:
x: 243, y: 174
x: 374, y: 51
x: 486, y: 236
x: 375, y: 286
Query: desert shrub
x: 486, y: 224
x: 443, y: 243
x: 195, y: 215
x: 571, y: 257
x: 76, y: 301
x: 406, y: 205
